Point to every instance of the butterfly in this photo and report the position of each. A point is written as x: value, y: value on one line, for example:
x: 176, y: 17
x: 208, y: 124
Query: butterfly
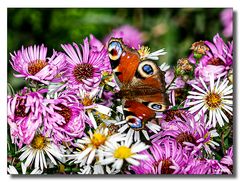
x: 141, y: 82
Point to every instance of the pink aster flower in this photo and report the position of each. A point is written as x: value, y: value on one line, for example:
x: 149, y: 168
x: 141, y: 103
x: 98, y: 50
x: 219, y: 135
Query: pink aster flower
x: 218, y: 60
x: 227, y: 160
x: 165, y: 157
x: 226, y: 17
x: 192, y: 135
x: 84, y: 67
x: 25, y: 115
x: 97, y: 46
x: 130, y: 35
x: 32, y: 63
x: 65, y: 120
x: 205, y: 166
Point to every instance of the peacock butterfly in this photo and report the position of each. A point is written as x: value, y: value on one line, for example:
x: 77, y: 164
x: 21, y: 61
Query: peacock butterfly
x: 141, y: 82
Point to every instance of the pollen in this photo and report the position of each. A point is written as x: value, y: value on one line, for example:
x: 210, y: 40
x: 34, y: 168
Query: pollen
x: 144, y: 51
x: 83, y: 71
x: 39, y: 142
x: 122, y: 152
x: 87, y: 101
x: 98, y: 139
x: 35, y: 66
x: 213, y: 100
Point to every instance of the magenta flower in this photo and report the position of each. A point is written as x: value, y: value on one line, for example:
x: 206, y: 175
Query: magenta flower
x: 226, y: 17
x: 97, y: 46
x: 165, y: 157
x: 205, y: 166
x: 32, y: 63
x: 227, y: 160
x: 65, y: 119
x: 25, y: 115
x: 84, y: 68
x: 130, y: 35
x: 218, y: 60
x: 192, y: 135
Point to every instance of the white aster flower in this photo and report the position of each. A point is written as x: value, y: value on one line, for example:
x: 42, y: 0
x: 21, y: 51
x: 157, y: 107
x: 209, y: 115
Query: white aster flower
x: 12, y: 170
x: 37, y: 151
x: 216, y: 100
x: 87, y: 99
x: 134, y: 132
x: 145, y: 53
x: 97, y: 169
x: 125, y: 151
x: 90, y: 144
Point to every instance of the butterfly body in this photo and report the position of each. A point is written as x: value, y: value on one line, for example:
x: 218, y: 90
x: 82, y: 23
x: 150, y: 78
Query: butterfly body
x: 141, y: 82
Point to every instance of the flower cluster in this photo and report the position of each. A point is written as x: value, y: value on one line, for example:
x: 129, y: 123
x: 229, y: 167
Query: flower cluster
x: 67, y: 119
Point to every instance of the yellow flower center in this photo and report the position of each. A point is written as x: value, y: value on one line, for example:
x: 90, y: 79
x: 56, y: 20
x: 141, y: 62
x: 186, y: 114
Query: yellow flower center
x: 86, y: 101
x: 144, y: 51
x: 122, y: 152
x: 39, y: 142
x: 213, y: 100
x: 98, y: 139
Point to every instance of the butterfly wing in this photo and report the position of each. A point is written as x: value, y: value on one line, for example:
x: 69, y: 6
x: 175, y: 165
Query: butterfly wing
x: 141, y: 82
x: 124, y: 61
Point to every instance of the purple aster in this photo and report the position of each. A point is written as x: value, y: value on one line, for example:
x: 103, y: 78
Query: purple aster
x: 25, y: 115
x: 218, y: 60
x: 130, y: 35
x: 165, y: 157
x: 65, y: 119
x: 84, y: 67
x: 32, y: 63
x: 226, y: 17
x: 192, y: 135
x: 97, y: 46
x: 227, y: 160
x: 205, y: 166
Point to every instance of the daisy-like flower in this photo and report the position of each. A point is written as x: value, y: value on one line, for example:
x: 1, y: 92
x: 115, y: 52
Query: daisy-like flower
x: 227, y: 160
x: 216, y: 100
x: 192, y: 135
x: 205, y: 166
x: 166, y: 157
x: 129, y: 34
x: 38, y: 149
x: 12, y: 170
x: 84, y: 67
x: 32, y: 63
x: 145, y: 53
x: 88, y: 100
x: 226, y: 17
x: 25, y: 115
x: 127, y: 127
x: 125, y: 151
x: 90, y: 144
x: 218, y: 60
x: 97, y: 169
x: 65, y: 120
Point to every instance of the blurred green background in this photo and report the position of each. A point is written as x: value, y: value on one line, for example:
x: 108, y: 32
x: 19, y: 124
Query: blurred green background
x: 172, y: 29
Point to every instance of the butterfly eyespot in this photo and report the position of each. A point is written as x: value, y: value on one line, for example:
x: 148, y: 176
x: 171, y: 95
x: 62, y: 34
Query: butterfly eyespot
x: 147, y: 69
x: 156, y: 106
x: 134, y: 122
x: 114, y: 50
